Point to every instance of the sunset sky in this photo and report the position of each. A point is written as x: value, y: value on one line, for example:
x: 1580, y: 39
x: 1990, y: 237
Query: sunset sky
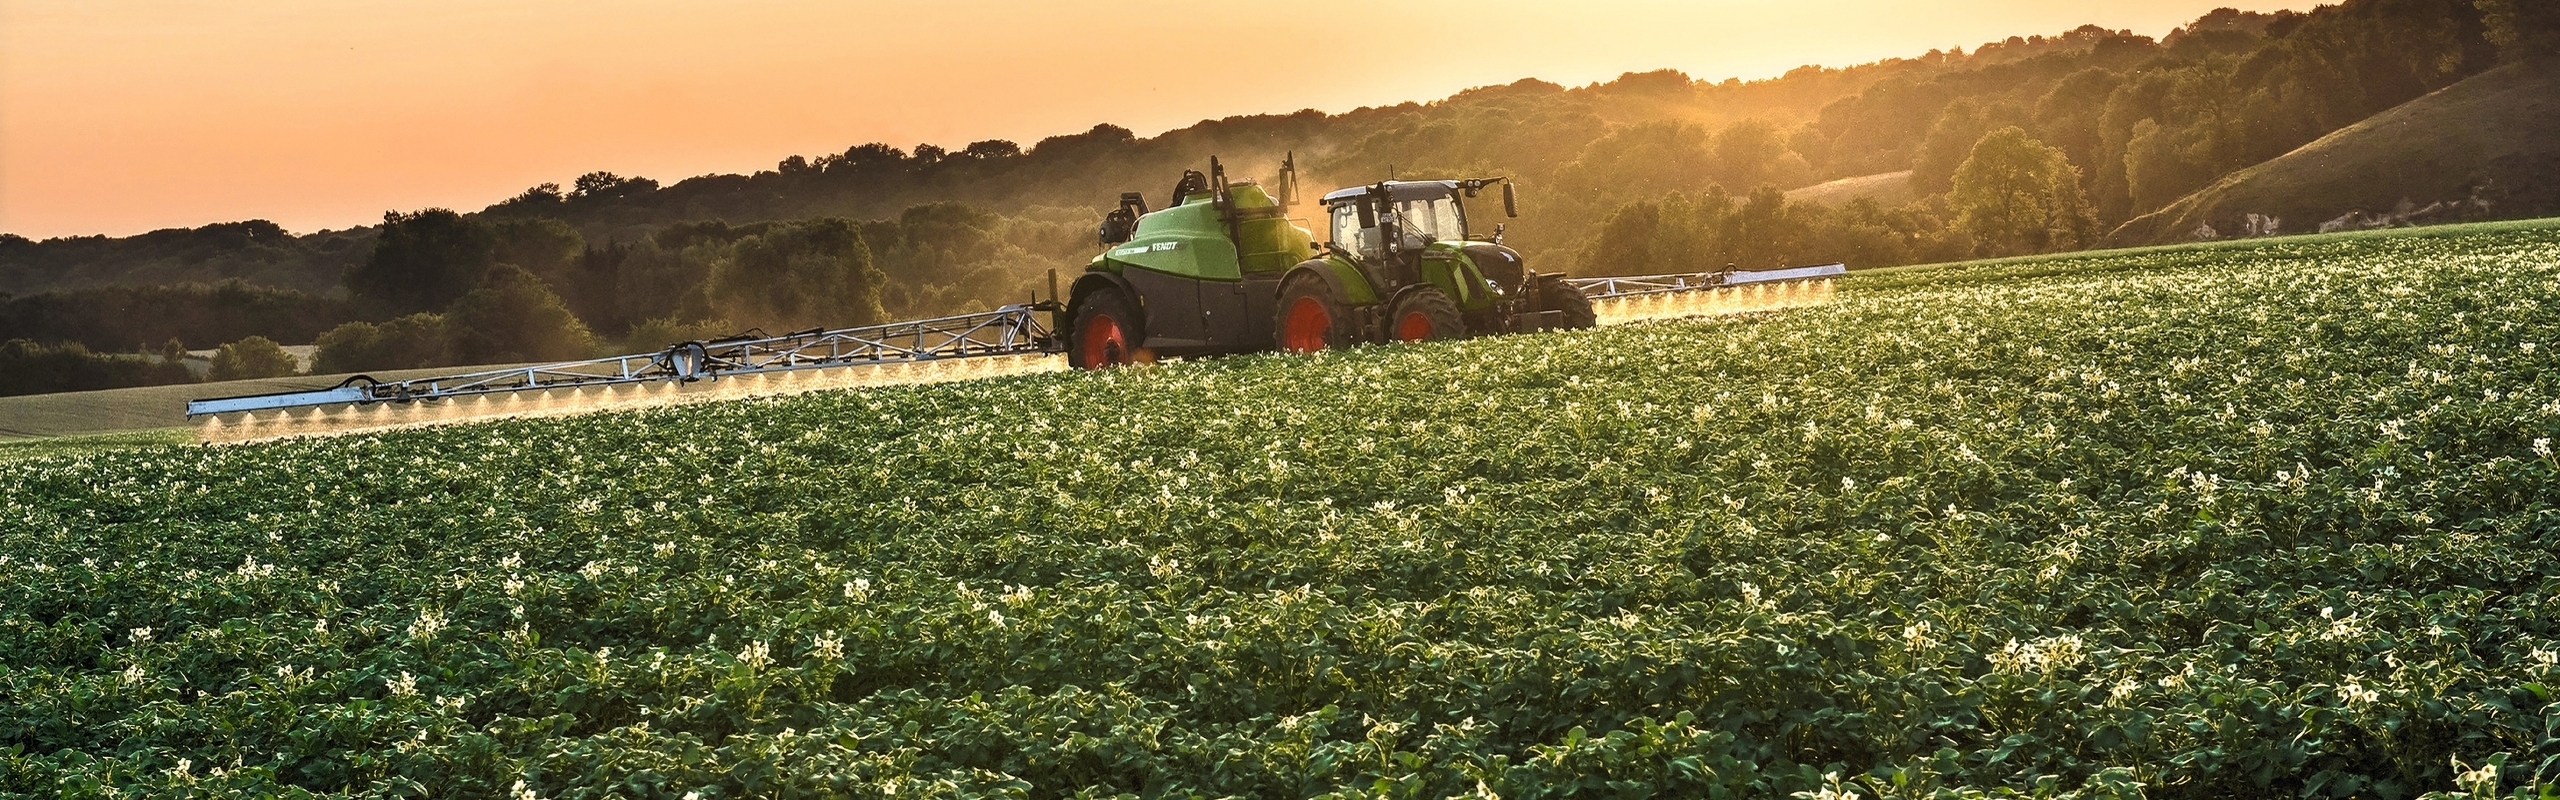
x: 120, y: 117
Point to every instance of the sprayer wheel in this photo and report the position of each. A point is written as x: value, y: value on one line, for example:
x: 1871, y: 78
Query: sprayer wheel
x: 1106, y: 333
x: 1555, y: 295
x: 1424, y: 315
x: 1311, y: 318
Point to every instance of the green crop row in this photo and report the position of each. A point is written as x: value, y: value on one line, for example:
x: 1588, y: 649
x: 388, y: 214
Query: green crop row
x: 2202, y: 523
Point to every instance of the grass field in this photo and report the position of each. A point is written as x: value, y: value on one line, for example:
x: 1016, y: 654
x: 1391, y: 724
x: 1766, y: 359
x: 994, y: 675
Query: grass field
x: 2194, y: 522
x: 107, y: 414
x: 1890, y: 188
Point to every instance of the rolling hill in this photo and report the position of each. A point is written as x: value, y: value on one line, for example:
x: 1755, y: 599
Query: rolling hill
x: 2481, y: 147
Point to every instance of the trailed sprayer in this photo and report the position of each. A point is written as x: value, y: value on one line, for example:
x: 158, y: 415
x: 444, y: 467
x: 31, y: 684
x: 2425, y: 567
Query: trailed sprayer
x: 1221, y: 268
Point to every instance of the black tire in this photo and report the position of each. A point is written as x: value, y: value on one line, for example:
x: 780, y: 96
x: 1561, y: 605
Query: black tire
x: 1107, y: 331
x: 1311, y: 317
x: 1555, y: 295
x: 1425, y: 315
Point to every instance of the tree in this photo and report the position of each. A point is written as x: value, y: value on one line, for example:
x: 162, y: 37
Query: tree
x: 1658, y: 82
x: 2068, y: 116
x: 2522, y: 29
x: 991, y: 149
x: 1102, y: 139
x: 656, y: 278
x: 423, y: 261
x: 550, y: 249
x: 872, y: 159
x: 812, y: 273
x: 601, y: 185
x: 659, y: 332
x: 514, y: 317
x: 1624, y: 245
x: 347, y: 348
x: 253, y: 357
x: 2161, y: 165
x: 936, y: 242
x: 1950, y: 139
x: 1765, y: 232
x: 1751, y: 153
x: 1864, y: 233
x: 1646, y: 159
x: 410, y: 342
x: 2018, y: 195
x: 542, y: 198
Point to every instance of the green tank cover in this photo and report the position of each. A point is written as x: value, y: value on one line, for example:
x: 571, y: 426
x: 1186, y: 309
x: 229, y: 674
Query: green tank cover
x: 1192, y: 241
x: 1270, y: 243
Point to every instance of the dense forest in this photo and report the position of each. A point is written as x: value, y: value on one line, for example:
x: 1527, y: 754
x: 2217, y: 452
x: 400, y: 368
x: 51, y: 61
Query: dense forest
x: 2032, y: 144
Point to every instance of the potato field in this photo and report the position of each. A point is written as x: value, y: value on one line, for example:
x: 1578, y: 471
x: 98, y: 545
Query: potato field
x: 2276, y: 519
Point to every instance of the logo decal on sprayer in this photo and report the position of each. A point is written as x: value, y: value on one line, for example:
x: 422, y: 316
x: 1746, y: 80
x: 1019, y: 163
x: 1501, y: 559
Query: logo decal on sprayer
x: 1145, y: 249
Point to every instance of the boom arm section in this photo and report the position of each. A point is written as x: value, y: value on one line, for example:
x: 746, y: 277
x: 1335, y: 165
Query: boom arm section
x: 1601, y: 288
x: 1011, y: 330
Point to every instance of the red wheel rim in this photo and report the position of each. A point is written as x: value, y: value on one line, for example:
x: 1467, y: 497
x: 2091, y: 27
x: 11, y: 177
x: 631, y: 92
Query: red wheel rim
x: 1304, y: 329
x: 1102, y: 343
x: 1414, y: 327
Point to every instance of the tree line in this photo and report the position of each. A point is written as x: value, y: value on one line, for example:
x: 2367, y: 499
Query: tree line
x: 111, y: 337
x: 442, y: 288
x: 258, y: 252
x: 452, y: 288
x: 40, y: 368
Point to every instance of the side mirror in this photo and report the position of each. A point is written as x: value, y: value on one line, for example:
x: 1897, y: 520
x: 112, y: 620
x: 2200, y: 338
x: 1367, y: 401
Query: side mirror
x: 1510, y: 200
x: 1368, y: 214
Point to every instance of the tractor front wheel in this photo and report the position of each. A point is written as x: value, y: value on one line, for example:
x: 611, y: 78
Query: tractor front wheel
x: 1556, y: 295
x: 1106, y: 332
x: 1424, y: 315
x: 1312, y: 318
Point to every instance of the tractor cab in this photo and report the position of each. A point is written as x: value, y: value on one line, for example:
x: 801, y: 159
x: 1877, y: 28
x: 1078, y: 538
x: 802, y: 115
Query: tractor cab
x: 1394, y: 220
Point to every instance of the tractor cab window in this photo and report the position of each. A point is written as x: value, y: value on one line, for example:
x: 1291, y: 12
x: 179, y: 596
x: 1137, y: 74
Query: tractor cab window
x: 1437, y: 219
x: 1348, y: 234
x: 1423, y: 221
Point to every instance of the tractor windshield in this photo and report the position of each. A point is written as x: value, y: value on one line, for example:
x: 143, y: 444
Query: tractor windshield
x: 1436, y: 219
x: 1423, y: 216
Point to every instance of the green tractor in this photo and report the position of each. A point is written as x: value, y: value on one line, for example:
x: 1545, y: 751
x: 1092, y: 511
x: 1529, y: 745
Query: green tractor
x: 1223, y: 270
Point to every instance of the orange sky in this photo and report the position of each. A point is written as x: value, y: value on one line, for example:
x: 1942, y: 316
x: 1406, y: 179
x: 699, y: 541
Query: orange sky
x: 124, y: 116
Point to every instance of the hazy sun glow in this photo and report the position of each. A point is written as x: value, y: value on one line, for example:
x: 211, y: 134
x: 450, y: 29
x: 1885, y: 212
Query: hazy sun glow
x: 126, y: 116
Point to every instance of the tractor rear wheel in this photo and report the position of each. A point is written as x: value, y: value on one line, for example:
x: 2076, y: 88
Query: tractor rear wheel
x: 1312, y: 318
x: 1423, y: 315
x: 1106, y: 332
x: 1556, y: 295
